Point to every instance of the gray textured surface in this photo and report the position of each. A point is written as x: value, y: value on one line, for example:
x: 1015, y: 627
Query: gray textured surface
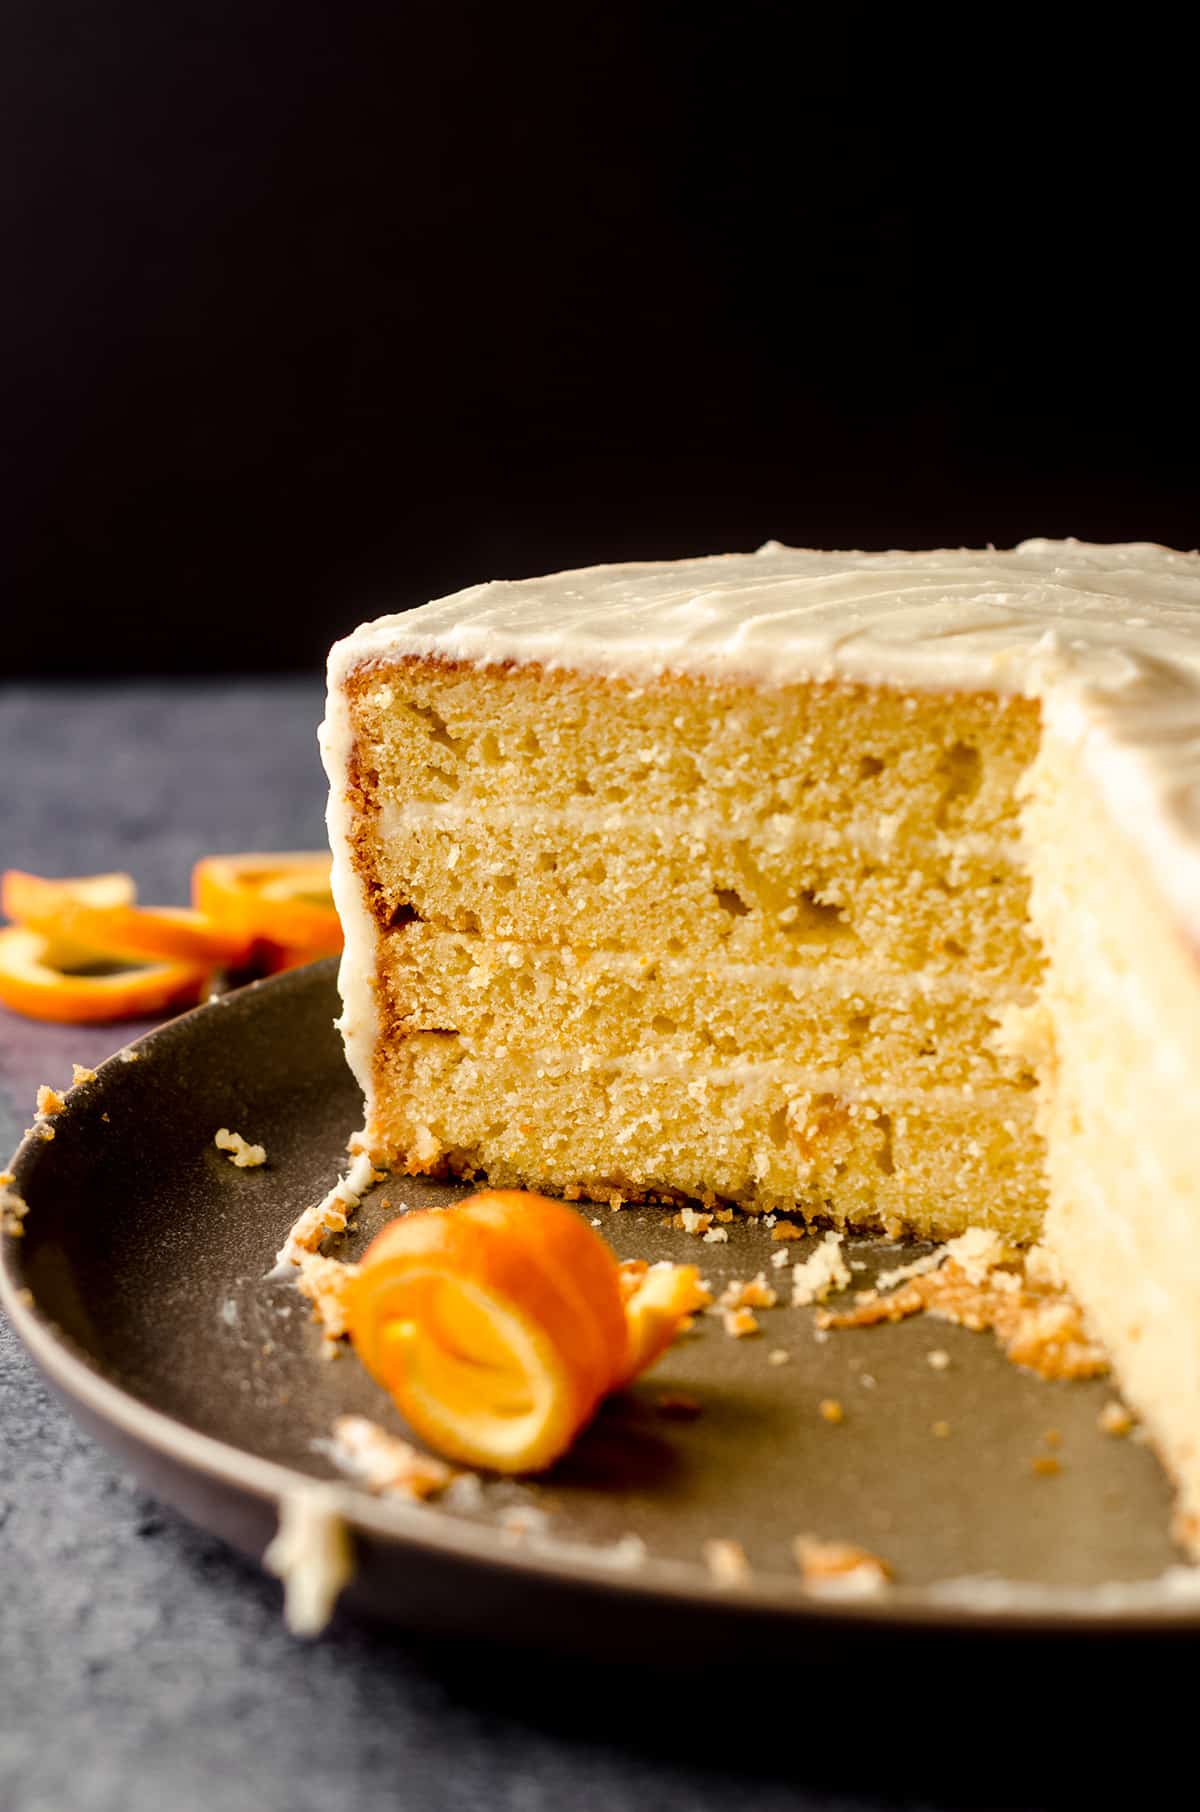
x: 143, y: 1666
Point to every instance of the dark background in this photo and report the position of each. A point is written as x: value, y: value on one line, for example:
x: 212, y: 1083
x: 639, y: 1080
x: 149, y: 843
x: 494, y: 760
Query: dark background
x: 308, y: 311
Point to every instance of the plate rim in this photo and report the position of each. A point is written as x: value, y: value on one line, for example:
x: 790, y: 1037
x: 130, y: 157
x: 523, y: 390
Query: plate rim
x: 418, y: 1527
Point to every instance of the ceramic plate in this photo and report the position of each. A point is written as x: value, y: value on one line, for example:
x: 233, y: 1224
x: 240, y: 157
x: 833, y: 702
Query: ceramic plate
x: 140, y: 1288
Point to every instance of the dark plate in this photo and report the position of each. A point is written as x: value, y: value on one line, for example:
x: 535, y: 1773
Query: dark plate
x: 139, y: 1287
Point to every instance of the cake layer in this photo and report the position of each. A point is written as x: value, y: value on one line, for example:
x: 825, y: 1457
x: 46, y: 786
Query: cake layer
x: 754, y: 1135
x: 1123, y: 992
x: 868, y: 1023
x: 631, y: 883
x: 827, y: 755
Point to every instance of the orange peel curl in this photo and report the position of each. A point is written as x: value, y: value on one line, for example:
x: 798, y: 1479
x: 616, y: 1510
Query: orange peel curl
x: 500, y: 1324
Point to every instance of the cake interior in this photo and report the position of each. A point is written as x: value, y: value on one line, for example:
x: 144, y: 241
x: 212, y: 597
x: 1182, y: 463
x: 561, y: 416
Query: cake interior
x: 763, y: 944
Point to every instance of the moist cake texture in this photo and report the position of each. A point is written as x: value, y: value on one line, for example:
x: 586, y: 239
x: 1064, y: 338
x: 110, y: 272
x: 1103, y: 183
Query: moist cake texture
x: 861, y: 886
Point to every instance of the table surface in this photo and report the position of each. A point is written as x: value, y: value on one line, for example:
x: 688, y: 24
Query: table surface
x: 142, y: 1665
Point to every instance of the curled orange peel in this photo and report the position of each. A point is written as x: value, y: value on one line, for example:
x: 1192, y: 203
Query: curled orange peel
x: 32, y: 983
x: 81, y: 915
x: 659, y: 1301
x: 281, y: 903
x: 498, y: 1325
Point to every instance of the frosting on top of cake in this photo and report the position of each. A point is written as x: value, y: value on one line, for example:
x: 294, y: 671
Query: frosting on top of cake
x: 1106, y: 637
x: 990, y: 618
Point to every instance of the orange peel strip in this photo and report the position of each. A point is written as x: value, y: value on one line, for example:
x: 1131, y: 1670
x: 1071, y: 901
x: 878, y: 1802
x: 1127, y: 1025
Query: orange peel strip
x: 657, y: 1305
x: 498, y: 1325
x: 32, y: 985
x: 90, y: 890
x: 280, y: 900
x: 74, y: 914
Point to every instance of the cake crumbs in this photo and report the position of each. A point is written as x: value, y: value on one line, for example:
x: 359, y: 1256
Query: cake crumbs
x: 1036, y: 1322
x: 938, y: 1359
x: 242, y: 1154
x: 690, y: 1220
x: 81, y: 1074
x: 1052, y: 1437
x: 726, y: 1561
x: 831, y: 1411
x: 49, y: 1102
x: 780, y: 1259
x: 325, y: 1281
x: 756, y: 1293
x: 329, y: 1215
x: 778, y: 1355
x: 841, y: 1565
x: 940, y: 1429
x: 13, y: 1209
x: 977, y: 1252
x: 385, y: 1464
x: 1045, y: 1465
x: 738, y: 1323
x: 130, y: 1056
x: 716, y: 1236
x: 917, y: 1267
x: 1114, y: 1419
x: 822, y: 1272
x: 787, y: 1231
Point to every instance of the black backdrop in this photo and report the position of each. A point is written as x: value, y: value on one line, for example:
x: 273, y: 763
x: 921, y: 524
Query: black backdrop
x: 312, y: 310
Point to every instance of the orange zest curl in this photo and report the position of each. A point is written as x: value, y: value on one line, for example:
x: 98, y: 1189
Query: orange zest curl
x: 498, y: 1325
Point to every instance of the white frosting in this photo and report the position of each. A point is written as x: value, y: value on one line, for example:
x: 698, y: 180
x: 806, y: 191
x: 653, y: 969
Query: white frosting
x: 1106, y: 637
x: 359, y: 1017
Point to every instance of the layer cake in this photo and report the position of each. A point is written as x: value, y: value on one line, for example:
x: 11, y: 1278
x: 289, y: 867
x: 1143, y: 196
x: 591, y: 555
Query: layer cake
x: 860, y: 886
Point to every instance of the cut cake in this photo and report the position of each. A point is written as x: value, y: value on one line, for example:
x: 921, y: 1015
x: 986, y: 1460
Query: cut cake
x: 861, y: 886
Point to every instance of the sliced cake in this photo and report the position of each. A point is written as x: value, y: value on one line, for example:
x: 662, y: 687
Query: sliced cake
x: 863, y: 886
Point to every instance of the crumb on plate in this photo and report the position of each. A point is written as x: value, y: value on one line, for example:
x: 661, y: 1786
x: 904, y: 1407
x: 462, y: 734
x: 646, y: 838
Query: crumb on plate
x: 1114, y: 1419
x: 726, y: 1561
x: 242, y: 1154
x: 822, y: 1272
x: 841, y: 1565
